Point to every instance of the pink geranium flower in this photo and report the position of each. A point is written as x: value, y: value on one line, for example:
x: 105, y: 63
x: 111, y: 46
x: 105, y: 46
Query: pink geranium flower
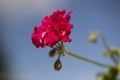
x: 54, y: 28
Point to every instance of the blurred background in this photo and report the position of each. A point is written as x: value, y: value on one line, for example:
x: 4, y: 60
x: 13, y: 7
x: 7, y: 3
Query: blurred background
x: 20, y: 60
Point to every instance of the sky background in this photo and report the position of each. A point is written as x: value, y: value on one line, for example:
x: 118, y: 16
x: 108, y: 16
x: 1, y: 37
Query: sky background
x: 17, y: 21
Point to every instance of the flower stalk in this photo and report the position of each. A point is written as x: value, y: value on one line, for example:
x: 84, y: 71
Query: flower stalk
x: 104, y: 41
x: 86, y: 59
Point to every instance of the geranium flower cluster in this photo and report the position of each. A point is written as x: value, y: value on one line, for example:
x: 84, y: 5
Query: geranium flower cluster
x: 54, y: 28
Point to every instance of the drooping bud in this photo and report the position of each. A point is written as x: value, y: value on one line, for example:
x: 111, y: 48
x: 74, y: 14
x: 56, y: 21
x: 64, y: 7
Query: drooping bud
x: 57, y: 65
x: 52, y: 52
x: 93, y: 37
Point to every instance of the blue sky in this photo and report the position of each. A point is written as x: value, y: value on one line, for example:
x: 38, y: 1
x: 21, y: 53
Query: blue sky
x: 18, y: 18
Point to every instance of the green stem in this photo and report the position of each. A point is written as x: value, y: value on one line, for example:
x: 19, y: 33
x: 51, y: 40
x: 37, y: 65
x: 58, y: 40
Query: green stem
x: 106, y: 46
x: 104, y: 41
x: 87, y: 60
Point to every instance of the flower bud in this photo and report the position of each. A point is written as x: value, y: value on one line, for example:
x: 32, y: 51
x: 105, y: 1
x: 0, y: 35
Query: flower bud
x: 57, y: 65
x: 52, y: 52
x: 93, y: 37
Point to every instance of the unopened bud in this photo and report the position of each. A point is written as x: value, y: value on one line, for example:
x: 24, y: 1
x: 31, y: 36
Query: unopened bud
x: 93, y: 37
x: 52, y: 53
x: 57, y: 65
